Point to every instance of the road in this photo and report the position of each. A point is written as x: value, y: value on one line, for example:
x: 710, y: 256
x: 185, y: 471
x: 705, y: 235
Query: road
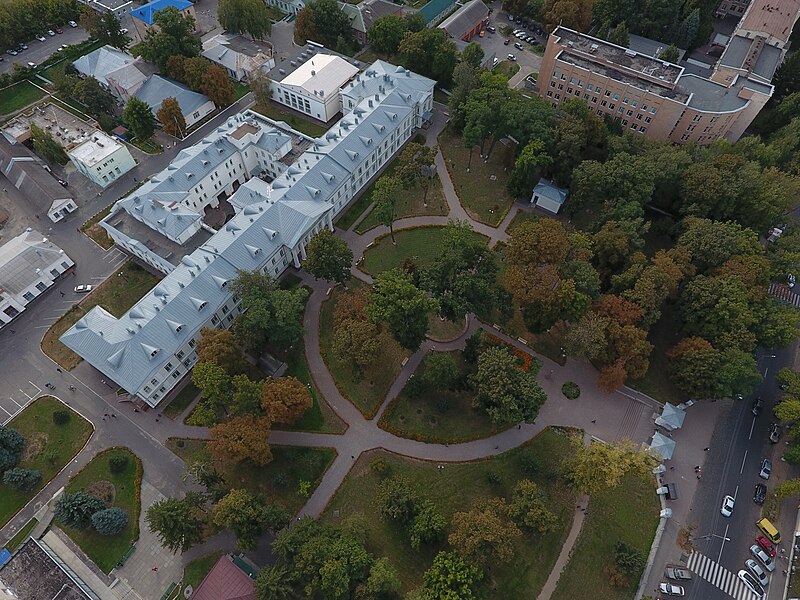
x: 38, y: 52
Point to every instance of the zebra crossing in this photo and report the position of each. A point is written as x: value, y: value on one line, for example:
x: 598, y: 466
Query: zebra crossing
x: 719, y: 576
x: 784, y: 293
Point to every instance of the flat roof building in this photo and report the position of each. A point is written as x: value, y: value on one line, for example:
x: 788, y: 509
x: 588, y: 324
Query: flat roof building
x: 101, y: 158
x: 117, y: 7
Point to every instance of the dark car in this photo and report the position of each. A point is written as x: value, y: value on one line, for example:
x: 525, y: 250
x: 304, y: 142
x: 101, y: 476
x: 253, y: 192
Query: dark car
x: 774, y: 433
x: 760, y: 494
x: 507, y: 42
x: 758, y: 406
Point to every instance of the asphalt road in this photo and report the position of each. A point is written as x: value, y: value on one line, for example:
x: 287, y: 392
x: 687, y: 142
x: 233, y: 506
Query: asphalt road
x: 492, y: 43
x: 38, y: 52
x: 738, y: 446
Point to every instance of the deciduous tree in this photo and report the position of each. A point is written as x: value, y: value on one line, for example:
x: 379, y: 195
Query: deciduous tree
x: 217, y: 85
x: 600, y: 466
x: 472, y: 54
x: 529, y: 508
x: 384, y: 195
x: 440, y: 370
x: 485, y: 534
x: 427, y: 526
x: 403, y: 306
x: 220, y: 346
x: 285, y: 399
x: 139, y: 119
x: 178, y: 523
x: 396, y: 499
x: 93, y: 96
x: 383, y: 580
x: 527, y: 167
x: 247, y: 516
x: 272, y: 583
x: 451, y: 578
x: 328, y: 257
x: 241, y: 438
x: 260, y: 85
x: 386, y: 33
x: 174, y: 35
x: 503, y: 390
x: 356, y: 338
x: 246, y: 395
x: 171, y: 118
x: 46, y: 146
x: 245, y: 16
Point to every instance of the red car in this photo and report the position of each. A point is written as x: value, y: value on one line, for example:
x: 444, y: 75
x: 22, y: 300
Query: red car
x: 766, y: 545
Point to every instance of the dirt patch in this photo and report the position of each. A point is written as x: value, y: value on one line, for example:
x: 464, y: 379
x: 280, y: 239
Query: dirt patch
x: 33, y: 446
x: 105, y: 490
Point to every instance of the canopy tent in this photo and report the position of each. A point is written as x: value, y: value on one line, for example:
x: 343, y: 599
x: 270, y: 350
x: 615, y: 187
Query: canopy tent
x: 662, y: 446
x: 671, y: 417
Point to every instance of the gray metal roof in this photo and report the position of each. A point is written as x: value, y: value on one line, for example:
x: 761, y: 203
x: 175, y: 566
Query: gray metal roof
x: 22, y: 256
x: 101, y: 62
x: 158, y: 88
x: 547, y: 189
x: 465, y: 18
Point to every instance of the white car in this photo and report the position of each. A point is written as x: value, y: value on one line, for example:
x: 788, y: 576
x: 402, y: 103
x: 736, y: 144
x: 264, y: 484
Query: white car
x: 670, y: 589
x: 727, y: 506
x: 765, y: 560
x: 757, y: 572
x: 751, y: 584
x: 511, y: 57
x: 50, y: 32
x: 123, y: 31
x: 72, y: 23
x: 40, y: 37
x: 83, y: 289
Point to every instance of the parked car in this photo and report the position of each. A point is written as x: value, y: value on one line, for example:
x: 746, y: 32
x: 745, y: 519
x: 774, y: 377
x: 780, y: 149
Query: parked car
x: 766, y: 469
x: 677, y: 573
x: 727, y: 506
x: 84, y: 288
x: 506, y: 42
x: 758, y: 406
x: 50, y: 32
x: 750, y: 582
x: 511, y: 57
x: 760, y: 494
x: 123, y: 31
x: 670, y: 589
x: 774, y: 433
x: 40, y: 37
x: 790, y: 280
x: 22, y: 47
x: 12, y: 52
x: 72, y: 23
x: 762, y: 557
x: 519, y: 46
x: 59, y: 30
x: 511, y: 18
x: 757, y: 572
x: 490, y: 29
x: 767, y: 546
x: 31, y: 65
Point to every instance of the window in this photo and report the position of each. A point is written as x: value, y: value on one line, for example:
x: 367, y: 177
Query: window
x: 561, y: 86
x: 162, y: 389
x: 624, y: 122
x: 549, y: 93
x: 191, y: 343
x: 629, y: 113
x: 644, y: 107
x: 594, y: 99
x: 633, y: 126
x: 168, y: 367
x: 214, y: 320
x: 41, y: 286
x: 696, y: 118
x: 611, y: 106
x: 176, y: 373
x: 580, y: 83
x: 147, y: 389
x: 154, y: 381
x: 28, y: 296
x: 180, y: 355
x: 603, y: 103
x: 642, y: 129
x: 625, y: 100
x: 653, y: 110
x: 634, y: 103
x: 563, y: 77
x: 572, y: 80
x: 616, y: 97
x: 647, y: 119
x: 65, y: 265
x: 569, y: 90
x: 607, y: 94
x: 54, y: 272
x: 598, y: 89
x: 590, y: 87
x: 552, y: 84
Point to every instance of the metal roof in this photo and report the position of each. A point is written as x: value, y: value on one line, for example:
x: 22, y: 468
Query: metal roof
x: 147, y: 12
x: 158, y: 88
x: 465, y: 18
x: 99, y: 63
x: 22, y: 256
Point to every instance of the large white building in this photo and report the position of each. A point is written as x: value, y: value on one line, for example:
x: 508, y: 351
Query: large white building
x: 101, y: 158
x: 29, y: 264
x: 284, y: 187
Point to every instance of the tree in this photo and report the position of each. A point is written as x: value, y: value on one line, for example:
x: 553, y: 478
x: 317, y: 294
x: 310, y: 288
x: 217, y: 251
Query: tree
x: 241, y: 438
x: 76, y: 510
x: 215, y: 388
x: 220, y: 346
x: 285, y: 399
x: 384, y: 195
x: 440, y: 370
x: 383, y: 580
x: 325, y: 23
x: 701, y: 371
x: 272, y: 583
x: 503, y: 390
x: 11, y: 445
x: 93, y: 96
x: 712, y: 243
x: 118, y: 463
x: 403, y: 306
x: 356, y: 339
x: 586, y: 338
x: 139, y: 119
x: 246, y: 395
x: 575, y: 14
x: 429, y: 52
x: 46, y: 146
x: 472, y: 54
x: 386, y: 33
x: 670, y: 54
x: 396, y: 499
x: 787, y: 77
x: 687, y: 32
x: 304, y: 27
x: 466, y: 78
x: 216, y: 83
x: 427, y: 526
x: 270, y: 314
x: 619, y: 35
x: 328, y: 257
x: 171, y: 118
x: 719, y: 309
x: 104, y: 27
x: 529, y: 508
x: 485, y: 534
x: 173, y: 35
x: 526, y: 169
x: 245, y: 16
x: 177, y: 523
x: 247, y: 516
x: 22, y: 479
x: 450, y: 577
x: 630, y: 560
x: 600, y: 466
x: 788, y: 488
x: 110, y: 521
x: 260, y: 85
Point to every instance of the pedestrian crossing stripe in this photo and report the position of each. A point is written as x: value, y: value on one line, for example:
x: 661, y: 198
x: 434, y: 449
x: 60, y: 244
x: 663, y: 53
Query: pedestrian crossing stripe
x: 719, y: 576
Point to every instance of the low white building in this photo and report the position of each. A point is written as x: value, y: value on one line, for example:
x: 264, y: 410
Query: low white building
x: 310, y: 82
x: 29, y: 264
x: 102, y: 158
x: 548, y: 196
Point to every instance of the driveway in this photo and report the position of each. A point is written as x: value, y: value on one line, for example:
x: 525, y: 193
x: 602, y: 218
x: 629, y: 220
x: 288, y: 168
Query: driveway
x: 493, y: 44
x: 38, y: 52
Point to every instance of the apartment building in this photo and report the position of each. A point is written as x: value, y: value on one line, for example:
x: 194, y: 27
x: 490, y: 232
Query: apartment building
x: 101, y: 158
x: 665, y: 101
x: 293, y: 187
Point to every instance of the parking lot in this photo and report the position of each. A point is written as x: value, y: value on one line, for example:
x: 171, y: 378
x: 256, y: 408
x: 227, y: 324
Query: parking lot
x: 38, y: 52
x: 17, y: 400
x: 494, y: 43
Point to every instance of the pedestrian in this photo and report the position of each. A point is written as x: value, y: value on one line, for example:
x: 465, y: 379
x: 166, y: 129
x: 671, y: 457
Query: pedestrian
x: 104, y: 418
x: 37, y: 216
x: 135, y: 410
x: 156, y: 419
x: 594, y: 420
x: 62, y: 294
x: 672, y: 468
x: 154, y: 569
x: 59, y: 369
x: 497, y: 447
x: 113, y: 416
x: 706, y: 449
x: 105, y: 414
x: 353, y: 457
x: 519, y: 426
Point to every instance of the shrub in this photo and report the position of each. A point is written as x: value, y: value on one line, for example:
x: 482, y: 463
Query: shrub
x: 792, y: 455
x: 304, y: 489
x: 11, y: 444
x: 571, y: 390
x: 22, y: 479
x: 180, y: 443
x: 76, y: 510
x: 279, y: 480
x: 380, y: 467
x: 628, y: 559
x: 414, y: 387
x: 117, y: 463
x: 493, y: 478
x: 60, y: 417
x: 529, y: 463
x: 110, y: 521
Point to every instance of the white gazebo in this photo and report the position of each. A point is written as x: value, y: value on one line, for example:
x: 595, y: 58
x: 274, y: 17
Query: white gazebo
x: 671, y: 418
x: 661, y: 446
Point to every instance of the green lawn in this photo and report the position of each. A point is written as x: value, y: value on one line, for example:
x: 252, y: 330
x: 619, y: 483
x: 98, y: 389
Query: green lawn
x: 95, y: 231
x: 21, y: 535
x: 196, y: 570
x: 180, y: 402
x: 106, y: 550
x: 444, y: 330
x: 117, y: 294
x: 455, y: 488
x: 348, y: 217
x: 366, y: 392
x: 48, y: 447
x: 663, y: 335
x: 507, y: 68
x: 18, y: 96
x: 520, y: 218
x: 421, y: 244
x: 485, y: 200
x: 278, y: 112
x: 439, y: 416
x: 278, y: 481
x: 410, y: 204
x: 629, y: 513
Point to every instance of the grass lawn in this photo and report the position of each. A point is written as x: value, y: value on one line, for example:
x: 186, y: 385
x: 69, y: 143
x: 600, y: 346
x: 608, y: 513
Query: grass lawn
x: 116, y: 294
x: 455, y: 488
x: 444, y: 330
x: 629, y: 513
x: 520, y: 218
x: 21, y: 535
x: 106, y: 550
x: 485, y: 200
x: 663, y: 335
x: 367, y: 392
x: 195, y: 571
x: 278, y: 481
x: 19, y: 95
x: 240, y: 90
x: 439, y: 416
x: 507, y: 68
x: 410, y: 204
x: 278, y: 112
x: 421, y: 244
x: 48, y: 447
x: 97, y: 233
x: 348, y: 217
x: 179, y: 403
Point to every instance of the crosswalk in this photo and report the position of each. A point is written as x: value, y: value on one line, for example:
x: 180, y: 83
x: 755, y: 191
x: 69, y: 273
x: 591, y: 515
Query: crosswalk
x: 784, y: 293
x: 718, y: 576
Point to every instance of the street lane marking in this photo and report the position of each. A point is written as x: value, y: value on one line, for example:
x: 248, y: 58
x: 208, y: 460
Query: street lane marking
x: 718, y: 576
x: 743, y: 461
x: 753, y: 426
x: 722, y: 545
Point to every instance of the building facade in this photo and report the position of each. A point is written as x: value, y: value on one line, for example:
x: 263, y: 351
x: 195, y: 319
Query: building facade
x: 29, y: 265
x: 101, y: 158
x: 151, y: 348
x: 291, y: 7
x: 194, y: 105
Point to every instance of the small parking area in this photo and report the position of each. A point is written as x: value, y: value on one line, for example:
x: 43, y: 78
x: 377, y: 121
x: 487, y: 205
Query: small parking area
x: 38, y: 52
x: 494, y: 43
x: 14, y: 400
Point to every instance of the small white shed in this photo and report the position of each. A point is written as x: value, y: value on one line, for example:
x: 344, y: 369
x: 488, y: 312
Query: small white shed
x: 548, y: 196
